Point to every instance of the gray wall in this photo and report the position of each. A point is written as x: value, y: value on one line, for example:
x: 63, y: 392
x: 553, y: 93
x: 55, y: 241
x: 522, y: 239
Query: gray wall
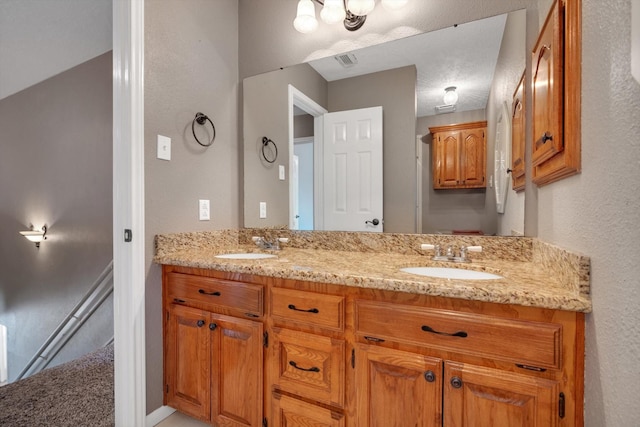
x: 595, y: 212
x: 191, y: 65
x: 265, y: 113
x: 55, y: 169
x: 395, y: 91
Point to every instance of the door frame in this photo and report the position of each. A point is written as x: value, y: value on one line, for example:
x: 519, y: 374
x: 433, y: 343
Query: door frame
x: 128, y: 213
x: 298, y: 99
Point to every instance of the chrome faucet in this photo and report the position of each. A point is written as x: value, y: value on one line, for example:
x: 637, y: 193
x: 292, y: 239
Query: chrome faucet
x: 263, y: 243
x: 450, y: 252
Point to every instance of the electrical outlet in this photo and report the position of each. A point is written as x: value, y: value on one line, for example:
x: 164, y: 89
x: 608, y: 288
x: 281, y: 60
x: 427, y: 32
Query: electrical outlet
x: 281, y: 172
x: 164, y: 148
x: 263, y: 209
x: 203, y: 209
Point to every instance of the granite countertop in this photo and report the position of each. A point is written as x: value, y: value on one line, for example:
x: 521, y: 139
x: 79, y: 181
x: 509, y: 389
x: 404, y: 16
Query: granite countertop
x: 525, y: 283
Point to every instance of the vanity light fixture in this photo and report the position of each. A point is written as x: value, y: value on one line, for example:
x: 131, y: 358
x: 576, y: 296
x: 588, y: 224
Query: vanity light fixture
x: 36, y: 236
x: 450, y: 96
x: 352, y: 13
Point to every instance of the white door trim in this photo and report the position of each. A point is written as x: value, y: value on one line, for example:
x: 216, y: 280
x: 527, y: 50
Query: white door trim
x: 128, y: 213
x: 302, y: 101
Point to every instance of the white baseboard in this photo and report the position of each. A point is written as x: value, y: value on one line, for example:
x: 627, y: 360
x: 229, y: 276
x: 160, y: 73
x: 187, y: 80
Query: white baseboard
x: 158, y: 415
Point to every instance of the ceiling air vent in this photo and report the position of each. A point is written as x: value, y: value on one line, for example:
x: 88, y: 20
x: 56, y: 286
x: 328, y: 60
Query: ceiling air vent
x: 346, y: 59
x: 441, y: 109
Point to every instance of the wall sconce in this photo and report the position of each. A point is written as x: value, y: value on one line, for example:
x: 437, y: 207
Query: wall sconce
x: 352, y: 13
x: 450, y: 96
x: 36, y: 236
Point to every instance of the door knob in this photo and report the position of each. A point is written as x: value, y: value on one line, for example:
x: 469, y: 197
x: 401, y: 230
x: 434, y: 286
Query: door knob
x: 374, y: 221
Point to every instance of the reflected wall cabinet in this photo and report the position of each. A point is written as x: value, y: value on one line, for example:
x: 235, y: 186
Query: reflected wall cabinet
x: 518, y: 135
x: 459, y: 155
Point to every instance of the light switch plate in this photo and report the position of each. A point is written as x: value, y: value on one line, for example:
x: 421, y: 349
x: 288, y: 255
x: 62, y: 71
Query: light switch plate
x: 204, y: 211
x: 263, y: 209
x: 164, y: 148
x: 281, y: 172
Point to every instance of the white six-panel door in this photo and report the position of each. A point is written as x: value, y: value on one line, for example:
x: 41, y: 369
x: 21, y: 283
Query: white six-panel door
x: 352, y: 157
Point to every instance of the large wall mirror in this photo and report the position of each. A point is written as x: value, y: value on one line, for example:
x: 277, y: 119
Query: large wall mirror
x: 407, y: 78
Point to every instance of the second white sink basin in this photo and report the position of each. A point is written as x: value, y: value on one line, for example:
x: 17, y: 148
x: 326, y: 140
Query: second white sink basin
x: 451, y: 273
x: 246, y: 256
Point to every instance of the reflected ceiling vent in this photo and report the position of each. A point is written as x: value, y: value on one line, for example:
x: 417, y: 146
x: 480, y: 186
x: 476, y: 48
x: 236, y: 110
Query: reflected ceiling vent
x: 441, y: 109
x: 346, y: 59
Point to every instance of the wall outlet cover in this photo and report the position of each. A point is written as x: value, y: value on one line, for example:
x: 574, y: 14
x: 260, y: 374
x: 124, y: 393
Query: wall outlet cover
x: 204, y: 210
x: 164, y: 148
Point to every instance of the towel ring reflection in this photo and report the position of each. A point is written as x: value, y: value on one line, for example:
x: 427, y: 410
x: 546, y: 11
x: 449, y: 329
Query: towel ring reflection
x: 202, y: 119
x: 265, y: 143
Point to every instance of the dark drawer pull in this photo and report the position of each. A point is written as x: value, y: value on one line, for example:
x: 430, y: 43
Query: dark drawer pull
x: 312, y: 369
x: 178, y: 300
x: 311, y: 310
x: 203, y: 292
x: 461, y: 334
x: 373, y: 339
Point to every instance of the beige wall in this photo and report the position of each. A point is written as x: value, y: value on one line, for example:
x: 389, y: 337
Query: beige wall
x: 191, y: 65
x: 395, y: 91
x: 55, y: 169
x: 265, y: 113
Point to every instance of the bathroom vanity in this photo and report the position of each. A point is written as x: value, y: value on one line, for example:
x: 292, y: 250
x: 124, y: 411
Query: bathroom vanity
x: 324, y: 337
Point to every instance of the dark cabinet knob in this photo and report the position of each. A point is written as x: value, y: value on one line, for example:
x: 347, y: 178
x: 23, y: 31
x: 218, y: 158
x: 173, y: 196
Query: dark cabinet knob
x: 200, y: 323
x: 429, y: 376
x: 456, y: 382
x: 212, y: 326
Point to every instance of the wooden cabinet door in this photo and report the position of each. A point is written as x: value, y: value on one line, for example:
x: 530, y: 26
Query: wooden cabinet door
x: 547, y: 89
x: 236, y: 368
x: 446, y: 160
x: 518, y: 141
x: 485, y: 397
x: 397, y: 389
x: 473, y: 158
x: 187, y: 361
x: 291, y: 412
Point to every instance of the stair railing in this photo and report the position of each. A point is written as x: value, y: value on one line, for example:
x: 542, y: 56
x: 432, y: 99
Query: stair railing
x: 95, y: 296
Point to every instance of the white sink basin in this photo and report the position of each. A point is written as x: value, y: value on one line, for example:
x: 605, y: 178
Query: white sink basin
x: 451, y: 273
x: 246, y: 256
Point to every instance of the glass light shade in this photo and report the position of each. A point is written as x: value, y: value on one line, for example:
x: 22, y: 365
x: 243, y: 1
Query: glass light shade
x: 361, y: 7
x: 305, y: 21
x: 332, y: 11
x: 394, y: 4
x: 33, y: 235
x: 450, y: 96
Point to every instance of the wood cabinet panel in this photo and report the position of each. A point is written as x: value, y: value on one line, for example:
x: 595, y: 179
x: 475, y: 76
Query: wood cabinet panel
x: 535, y: 344
x: 308, y: 365
x: 307, y: 308
x: 484, y: 397
x: 397, y: 388
x: 187, y: 372
x: 210, y: 293
x: 236, y: 364
x: 291, y: 412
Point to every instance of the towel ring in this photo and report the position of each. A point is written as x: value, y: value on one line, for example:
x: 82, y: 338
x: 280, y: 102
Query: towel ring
x: 202, y: 119
x: 265, y: 143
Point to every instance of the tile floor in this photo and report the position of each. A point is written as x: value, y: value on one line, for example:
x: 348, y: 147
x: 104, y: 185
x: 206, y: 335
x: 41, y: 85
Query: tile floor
x: 180, y: 420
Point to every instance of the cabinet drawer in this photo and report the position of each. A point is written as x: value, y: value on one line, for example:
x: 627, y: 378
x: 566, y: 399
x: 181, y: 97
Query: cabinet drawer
x: 530, y: 343
x: 288, y: 411
x: 308, y: 365
x: 308, y: 308
x: 209, y: 293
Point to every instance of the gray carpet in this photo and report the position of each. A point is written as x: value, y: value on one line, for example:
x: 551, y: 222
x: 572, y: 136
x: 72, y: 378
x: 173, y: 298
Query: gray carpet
x: 76, y: 394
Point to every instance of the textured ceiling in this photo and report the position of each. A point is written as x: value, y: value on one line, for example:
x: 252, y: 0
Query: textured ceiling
x: 463, y: 56
x: 42, y: 38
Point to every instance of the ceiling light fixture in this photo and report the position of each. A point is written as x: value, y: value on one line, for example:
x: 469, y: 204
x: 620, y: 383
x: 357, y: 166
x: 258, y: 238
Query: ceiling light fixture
x: 35, y: 236
x: 353, y: 13
x: 450, y: 96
